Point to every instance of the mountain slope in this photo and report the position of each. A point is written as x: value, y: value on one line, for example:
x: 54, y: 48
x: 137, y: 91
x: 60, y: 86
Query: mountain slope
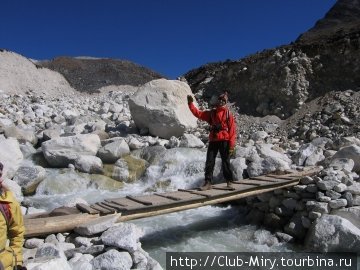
x: 280, y: 81
x: 90, y: 74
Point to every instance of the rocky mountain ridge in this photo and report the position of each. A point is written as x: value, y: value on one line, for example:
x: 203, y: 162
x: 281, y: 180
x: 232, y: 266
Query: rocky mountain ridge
x: 280, y: 81
x: 91, y: 74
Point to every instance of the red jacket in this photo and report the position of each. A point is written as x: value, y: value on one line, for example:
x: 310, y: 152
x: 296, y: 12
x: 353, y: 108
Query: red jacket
x: 218, y: 116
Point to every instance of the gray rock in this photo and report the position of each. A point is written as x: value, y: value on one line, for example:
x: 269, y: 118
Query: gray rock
x: 349, y: 198
x: 25, y: 134
x: 352, y: 152
x: 345, y: 164
x: 96, y: 226
x: 327, y: 185
x: 46, y: 263
x: 354, y: 189
x: 259, y: 135
x: 333, y: 234
x: 336, y: 204
x: 125, y: 236
x: 290, y: 203
x: 306, y: 222
x: 255, y: 216
x: 60, y: 152
x: 89, y: 164
x: 340, y: 188
x: 295, y: 227
x: 161, y: 106
x: 238, y: 165
x: 312, y: 188
x: 10, y: 156
x: 267, y: 151
x: 135, y: 144
x: 315, y: 158
x: 189, y: 140
x: 113, y: 260
x: 305, y: 151
x: 306, y: 180
x: 111, y: 152
x: 29, y: 177
x: 320, y: 207
x: 346, y: 141
x: 314, y: 215
x: 283, y: 237
x: 49, y: 250
x: 92, y: 250
x: 33, y: 243
x: 333, y: 194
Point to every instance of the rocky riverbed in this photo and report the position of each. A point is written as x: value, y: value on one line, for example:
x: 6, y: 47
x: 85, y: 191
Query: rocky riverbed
x: 62, y: 150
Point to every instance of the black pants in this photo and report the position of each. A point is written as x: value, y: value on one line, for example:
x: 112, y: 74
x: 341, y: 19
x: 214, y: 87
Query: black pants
x: 214, y: 148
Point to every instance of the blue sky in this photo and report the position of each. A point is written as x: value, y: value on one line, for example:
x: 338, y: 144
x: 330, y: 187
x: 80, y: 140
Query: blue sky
x: 168, y: 36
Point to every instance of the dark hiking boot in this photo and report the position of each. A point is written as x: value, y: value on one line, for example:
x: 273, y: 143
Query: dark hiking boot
x: 206, y: 186
x: 229, y: 185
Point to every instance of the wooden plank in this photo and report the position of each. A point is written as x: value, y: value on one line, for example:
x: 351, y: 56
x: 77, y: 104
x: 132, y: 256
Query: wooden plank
x: 109, y: 207
x: 283, y: 177
x: 59, y: 224
x: 266, y: 183
x: 86, y: 209
x: 267, y: 179
x: 116, y: 200
x: 103, y: 210
x: 184, y: 196
x: 115, y: 206
x: 246, y: 181
x: 129, y: 204
x: 196, y: 192
x: 139, y: 200
x: 155, y: 199
x: 167, y: 196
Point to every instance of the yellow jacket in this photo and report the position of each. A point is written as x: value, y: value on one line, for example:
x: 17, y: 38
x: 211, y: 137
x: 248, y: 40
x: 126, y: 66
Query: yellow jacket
x: 15, y: 233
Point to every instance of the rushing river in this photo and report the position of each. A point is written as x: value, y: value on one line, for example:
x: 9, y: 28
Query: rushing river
x: 211, y: 228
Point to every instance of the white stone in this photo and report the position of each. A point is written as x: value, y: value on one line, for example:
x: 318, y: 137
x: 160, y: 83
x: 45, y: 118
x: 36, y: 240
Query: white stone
x: 353, y: 152
x: 112, y: 259
x: 125, y: 236
x: 62, y: 151
x: 189, y: 140
x: 345, y: 164
x: 10, y: 156
x: 333, y: 234
x: 111, y: 152
x: 96, y: 226
x: 89, y: 164
x: 161, y: 106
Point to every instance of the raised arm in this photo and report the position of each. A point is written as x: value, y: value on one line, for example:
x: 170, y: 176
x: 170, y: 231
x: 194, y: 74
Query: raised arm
x: 202, y: 115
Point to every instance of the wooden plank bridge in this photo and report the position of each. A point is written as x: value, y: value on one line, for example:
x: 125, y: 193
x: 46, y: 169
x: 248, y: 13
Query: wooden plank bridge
x: 135, y: 207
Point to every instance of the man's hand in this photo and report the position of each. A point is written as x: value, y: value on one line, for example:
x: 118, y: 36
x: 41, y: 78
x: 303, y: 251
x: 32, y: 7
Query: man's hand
x: 190, y: 99
x: 232, y: 152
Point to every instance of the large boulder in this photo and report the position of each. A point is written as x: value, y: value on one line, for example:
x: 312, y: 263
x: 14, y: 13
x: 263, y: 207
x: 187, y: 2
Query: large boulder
x: 332, y: 233
x: 23, y: 134
x: 113, y: 259
x: 124, y: 236
x: 29, y: 177
x: 62, y: 151
x: 111, y: 152
x: 161, y: 107
x: 353, y: 152
x: 10, y: 155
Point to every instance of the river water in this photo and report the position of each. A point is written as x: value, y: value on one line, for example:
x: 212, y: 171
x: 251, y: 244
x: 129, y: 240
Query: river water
x: 211, y: 228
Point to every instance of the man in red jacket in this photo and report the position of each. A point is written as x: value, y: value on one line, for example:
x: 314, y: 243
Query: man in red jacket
x: 222, y: 137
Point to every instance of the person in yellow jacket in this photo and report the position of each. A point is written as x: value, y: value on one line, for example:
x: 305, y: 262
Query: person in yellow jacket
x: 11, y: 229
